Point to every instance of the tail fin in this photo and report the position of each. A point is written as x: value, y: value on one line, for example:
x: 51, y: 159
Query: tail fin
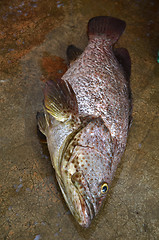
x: 106, y: 27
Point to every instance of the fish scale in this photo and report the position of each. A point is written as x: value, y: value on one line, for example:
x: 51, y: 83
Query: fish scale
x: 88, y: 104
x: 87, y: 114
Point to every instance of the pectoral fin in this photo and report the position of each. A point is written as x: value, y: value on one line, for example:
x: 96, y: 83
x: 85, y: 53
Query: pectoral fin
x: 60, y: 100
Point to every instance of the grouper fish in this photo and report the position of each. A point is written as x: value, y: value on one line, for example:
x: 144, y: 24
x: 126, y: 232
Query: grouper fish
x: 86, y: 118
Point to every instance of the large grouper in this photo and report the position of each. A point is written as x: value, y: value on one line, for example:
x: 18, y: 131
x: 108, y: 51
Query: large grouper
x: 86, y: 118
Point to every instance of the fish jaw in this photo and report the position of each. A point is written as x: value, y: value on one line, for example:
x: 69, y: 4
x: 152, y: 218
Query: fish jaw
x: 79, y: 207
x: 83, y: 208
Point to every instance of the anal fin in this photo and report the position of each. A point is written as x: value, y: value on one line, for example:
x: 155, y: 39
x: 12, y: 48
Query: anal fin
x: 41, y: 122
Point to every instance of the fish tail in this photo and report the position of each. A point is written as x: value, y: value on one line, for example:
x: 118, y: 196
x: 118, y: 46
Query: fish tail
x: 109, y: 28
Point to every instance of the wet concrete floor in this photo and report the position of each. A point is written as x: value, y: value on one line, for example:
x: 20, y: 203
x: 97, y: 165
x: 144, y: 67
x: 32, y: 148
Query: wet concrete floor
x: 34, y: 36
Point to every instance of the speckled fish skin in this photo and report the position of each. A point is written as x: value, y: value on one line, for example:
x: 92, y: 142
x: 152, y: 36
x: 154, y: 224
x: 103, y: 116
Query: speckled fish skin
x: 87, y: 132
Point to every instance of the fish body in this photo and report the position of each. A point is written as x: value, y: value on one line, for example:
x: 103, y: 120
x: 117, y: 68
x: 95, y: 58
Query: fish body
x: 87, y: 117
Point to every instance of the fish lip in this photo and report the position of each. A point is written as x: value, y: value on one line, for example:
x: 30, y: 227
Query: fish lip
x: 84, y: 218
x: 90, y: 207
x: 88, y: 211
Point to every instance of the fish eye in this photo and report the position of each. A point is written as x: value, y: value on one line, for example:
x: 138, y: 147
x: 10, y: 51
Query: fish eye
x: 104, y: 188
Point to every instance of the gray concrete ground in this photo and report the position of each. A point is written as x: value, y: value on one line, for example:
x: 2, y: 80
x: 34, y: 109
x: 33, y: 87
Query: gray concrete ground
x: 31, y: 203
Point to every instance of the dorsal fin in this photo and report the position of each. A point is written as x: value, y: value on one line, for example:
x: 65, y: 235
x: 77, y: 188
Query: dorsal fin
x: 123, y: 58
x: 109, y: 28
x: 59, y: 99
x: 72, y: 53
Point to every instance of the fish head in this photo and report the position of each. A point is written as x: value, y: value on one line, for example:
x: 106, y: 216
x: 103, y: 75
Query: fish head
x: 86, y: 174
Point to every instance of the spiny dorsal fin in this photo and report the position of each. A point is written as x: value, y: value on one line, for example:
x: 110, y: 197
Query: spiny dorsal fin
x: 72, y: 53
x: 59, y: 99
x: 109, y: 28
x: 123, y: 58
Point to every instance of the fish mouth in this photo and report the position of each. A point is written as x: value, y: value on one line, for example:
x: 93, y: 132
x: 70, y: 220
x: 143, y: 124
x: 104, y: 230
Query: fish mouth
x: 87, y: 213
x: 83, y: 210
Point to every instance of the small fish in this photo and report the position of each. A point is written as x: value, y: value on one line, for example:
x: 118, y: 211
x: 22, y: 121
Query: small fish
x: 87, y: 115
